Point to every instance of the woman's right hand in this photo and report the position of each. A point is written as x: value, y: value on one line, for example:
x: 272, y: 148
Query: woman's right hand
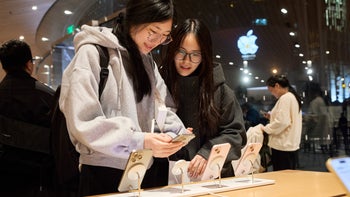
x: 161, y: 144
x: 197, y: 166
x: 265, y: 114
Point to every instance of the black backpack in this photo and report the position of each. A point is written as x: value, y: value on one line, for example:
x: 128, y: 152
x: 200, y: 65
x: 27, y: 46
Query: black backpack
x: 66, y: 158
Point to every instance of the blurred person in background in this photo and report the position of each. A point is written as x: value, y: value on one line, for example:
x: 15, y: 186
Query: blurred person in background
x: 343, y: 127
x: 317, y: 118
x: 251, y: 115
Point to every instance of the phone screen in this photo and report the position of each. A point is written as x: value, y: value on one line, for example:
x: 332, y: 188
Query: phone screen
x: 341, y: 167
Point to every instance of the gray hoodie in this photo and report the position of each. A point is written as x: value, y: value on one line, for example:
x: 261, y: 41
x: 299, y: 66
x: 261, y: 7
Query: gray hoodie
x: 105, y: 132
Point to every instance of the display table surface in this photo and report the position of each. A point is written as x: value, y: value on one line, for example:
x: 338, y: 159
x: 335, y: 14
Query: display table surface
x: 294, y: 183
x: 280, y: 183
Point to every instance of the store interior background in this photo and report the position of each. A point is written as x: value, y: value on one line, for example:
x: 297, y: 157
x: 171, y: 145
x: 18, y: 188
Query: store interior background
x: 308, y: 41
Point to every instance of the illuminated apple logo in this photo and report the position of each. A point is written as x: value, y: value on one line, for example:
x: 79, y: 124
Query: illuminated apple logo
x: 246, y: 44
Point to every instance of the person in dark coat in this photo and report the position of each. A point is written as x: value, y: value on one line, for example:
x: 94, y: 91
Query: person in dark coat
x: 25, y: 105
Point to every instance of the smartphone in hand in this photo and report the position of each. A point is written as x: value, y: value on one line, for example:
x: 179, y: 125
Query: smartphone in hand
x: 185, y: 138
x: 264, y: 113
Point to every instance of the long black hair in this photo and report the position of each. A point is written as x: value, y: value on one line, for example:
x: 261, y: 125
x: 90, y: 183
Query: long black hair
x: 209, y: 114
x: 137, y: 13
x: 283, y: 82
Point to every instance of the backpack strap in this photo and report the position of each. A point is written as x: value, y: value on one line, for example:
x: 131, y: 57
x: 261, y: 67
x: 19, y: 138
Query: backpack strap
x: 104, y: 60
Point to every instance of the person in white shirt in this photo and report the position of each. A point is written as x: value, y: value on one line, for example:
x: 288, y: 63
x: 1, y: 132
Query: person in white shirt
x: 284, y: 128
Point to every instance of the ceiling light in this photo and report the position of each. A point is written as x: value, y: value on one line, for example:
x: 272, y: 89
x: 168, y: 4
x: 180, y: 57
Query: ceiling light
x: 232, y: 5
x: 44, y: 39
x: 34, y: 7
x: 37, y: 58
x: 68, y: 12
x: 284, y: 11
x: 218, y: 56
x: 245, y: 79
x: 309, y: 71
x: 291, y: 33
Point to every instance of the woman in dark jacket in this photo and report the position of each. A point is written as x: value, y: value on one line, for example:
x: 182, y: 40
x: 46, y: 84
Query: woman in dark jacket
x: 204, y: 100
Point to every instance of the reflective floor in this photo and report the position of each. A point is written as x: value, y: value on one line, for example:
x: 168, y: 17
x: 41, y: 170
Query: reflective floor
x: 313, y: 157
x: 315, y: 160
x: 308, y: 160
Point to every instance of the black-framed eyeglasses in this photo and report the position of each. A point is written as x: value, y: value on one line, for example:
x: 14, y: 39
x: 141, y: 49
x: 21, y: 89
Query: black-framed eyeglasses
x: 155, y: 37
x: 195, y: 57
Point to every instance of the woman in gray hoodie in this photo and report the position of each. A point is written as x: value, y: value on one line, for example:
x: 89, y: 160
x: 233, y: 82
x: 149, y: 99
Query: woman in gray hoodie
x: 106, y: 131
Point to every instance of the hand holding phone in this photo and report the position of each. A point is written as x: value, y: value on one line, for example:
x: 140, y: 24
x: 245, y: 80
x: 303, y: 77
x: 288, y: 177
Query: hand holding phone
x: 265, y: 114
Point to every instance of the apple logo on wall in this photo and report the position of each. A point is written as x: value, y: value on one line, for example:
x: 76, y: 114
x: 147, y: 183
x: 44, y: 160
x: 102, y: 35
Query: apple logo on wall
x: 247, y: 46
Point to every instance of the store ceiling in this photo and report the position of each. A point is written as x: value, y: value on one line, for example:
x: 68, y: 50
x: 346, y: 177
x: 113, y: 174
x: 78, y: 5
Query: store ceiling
x: 19, y: 19
x: 227, y: 20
